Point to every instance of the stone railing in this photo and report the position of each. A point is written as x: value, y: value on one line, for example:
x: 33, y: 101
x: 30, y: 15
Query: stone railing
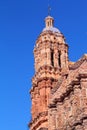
x: 78, y: 63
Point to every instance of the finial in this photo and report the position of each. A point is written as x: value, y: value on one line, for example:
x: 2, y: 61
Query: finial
x: 49, y: 8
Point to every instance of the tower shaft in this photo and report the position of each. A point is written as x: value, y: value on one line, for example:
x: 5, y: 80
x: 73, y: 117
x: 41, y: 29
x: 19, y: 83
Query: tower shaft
x: 51, y: 59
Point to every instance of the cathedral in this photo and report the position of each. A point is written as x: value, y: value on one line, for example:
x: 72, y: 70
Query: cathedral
x: 59, y: 86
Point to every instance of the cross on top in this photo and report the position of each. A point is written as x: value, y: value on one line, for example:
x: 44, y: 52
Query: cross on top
x: 49, y: 9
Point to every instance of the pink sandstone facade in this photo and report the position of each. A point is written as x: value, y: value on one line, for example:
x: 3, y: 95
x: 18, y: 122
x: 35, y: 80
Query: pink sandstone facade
x: 59, y: 86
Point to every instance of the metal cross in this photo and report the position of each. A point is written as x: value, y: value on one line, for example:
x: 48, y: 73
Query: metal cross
x: 49, y: 8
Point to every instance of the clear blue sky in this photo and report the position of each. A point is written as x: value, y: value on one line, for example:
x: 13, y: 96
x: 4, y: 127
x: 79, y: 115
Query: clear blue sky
x: 21, y: 21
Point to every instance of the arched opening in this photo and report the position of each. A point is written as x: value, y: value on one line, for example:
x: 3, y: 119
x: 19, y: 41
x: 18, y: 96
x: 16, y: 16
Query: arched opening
x: 52, y: 58
x: 59, y: 59
x: 48, y: 24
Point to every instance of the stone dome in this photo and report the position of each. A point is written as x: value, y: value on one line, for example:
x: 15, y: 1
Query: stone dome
x: 52, y: 29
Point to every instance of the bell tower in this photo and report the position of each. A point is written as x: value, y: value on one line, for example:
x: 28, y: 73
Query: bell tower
x: 51, y: 59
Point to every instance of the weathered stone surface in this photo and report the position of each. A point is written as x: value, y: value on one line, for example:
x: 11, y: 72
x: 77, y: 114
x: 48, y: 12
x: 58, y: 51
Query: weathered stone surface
x: 59, y: 86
